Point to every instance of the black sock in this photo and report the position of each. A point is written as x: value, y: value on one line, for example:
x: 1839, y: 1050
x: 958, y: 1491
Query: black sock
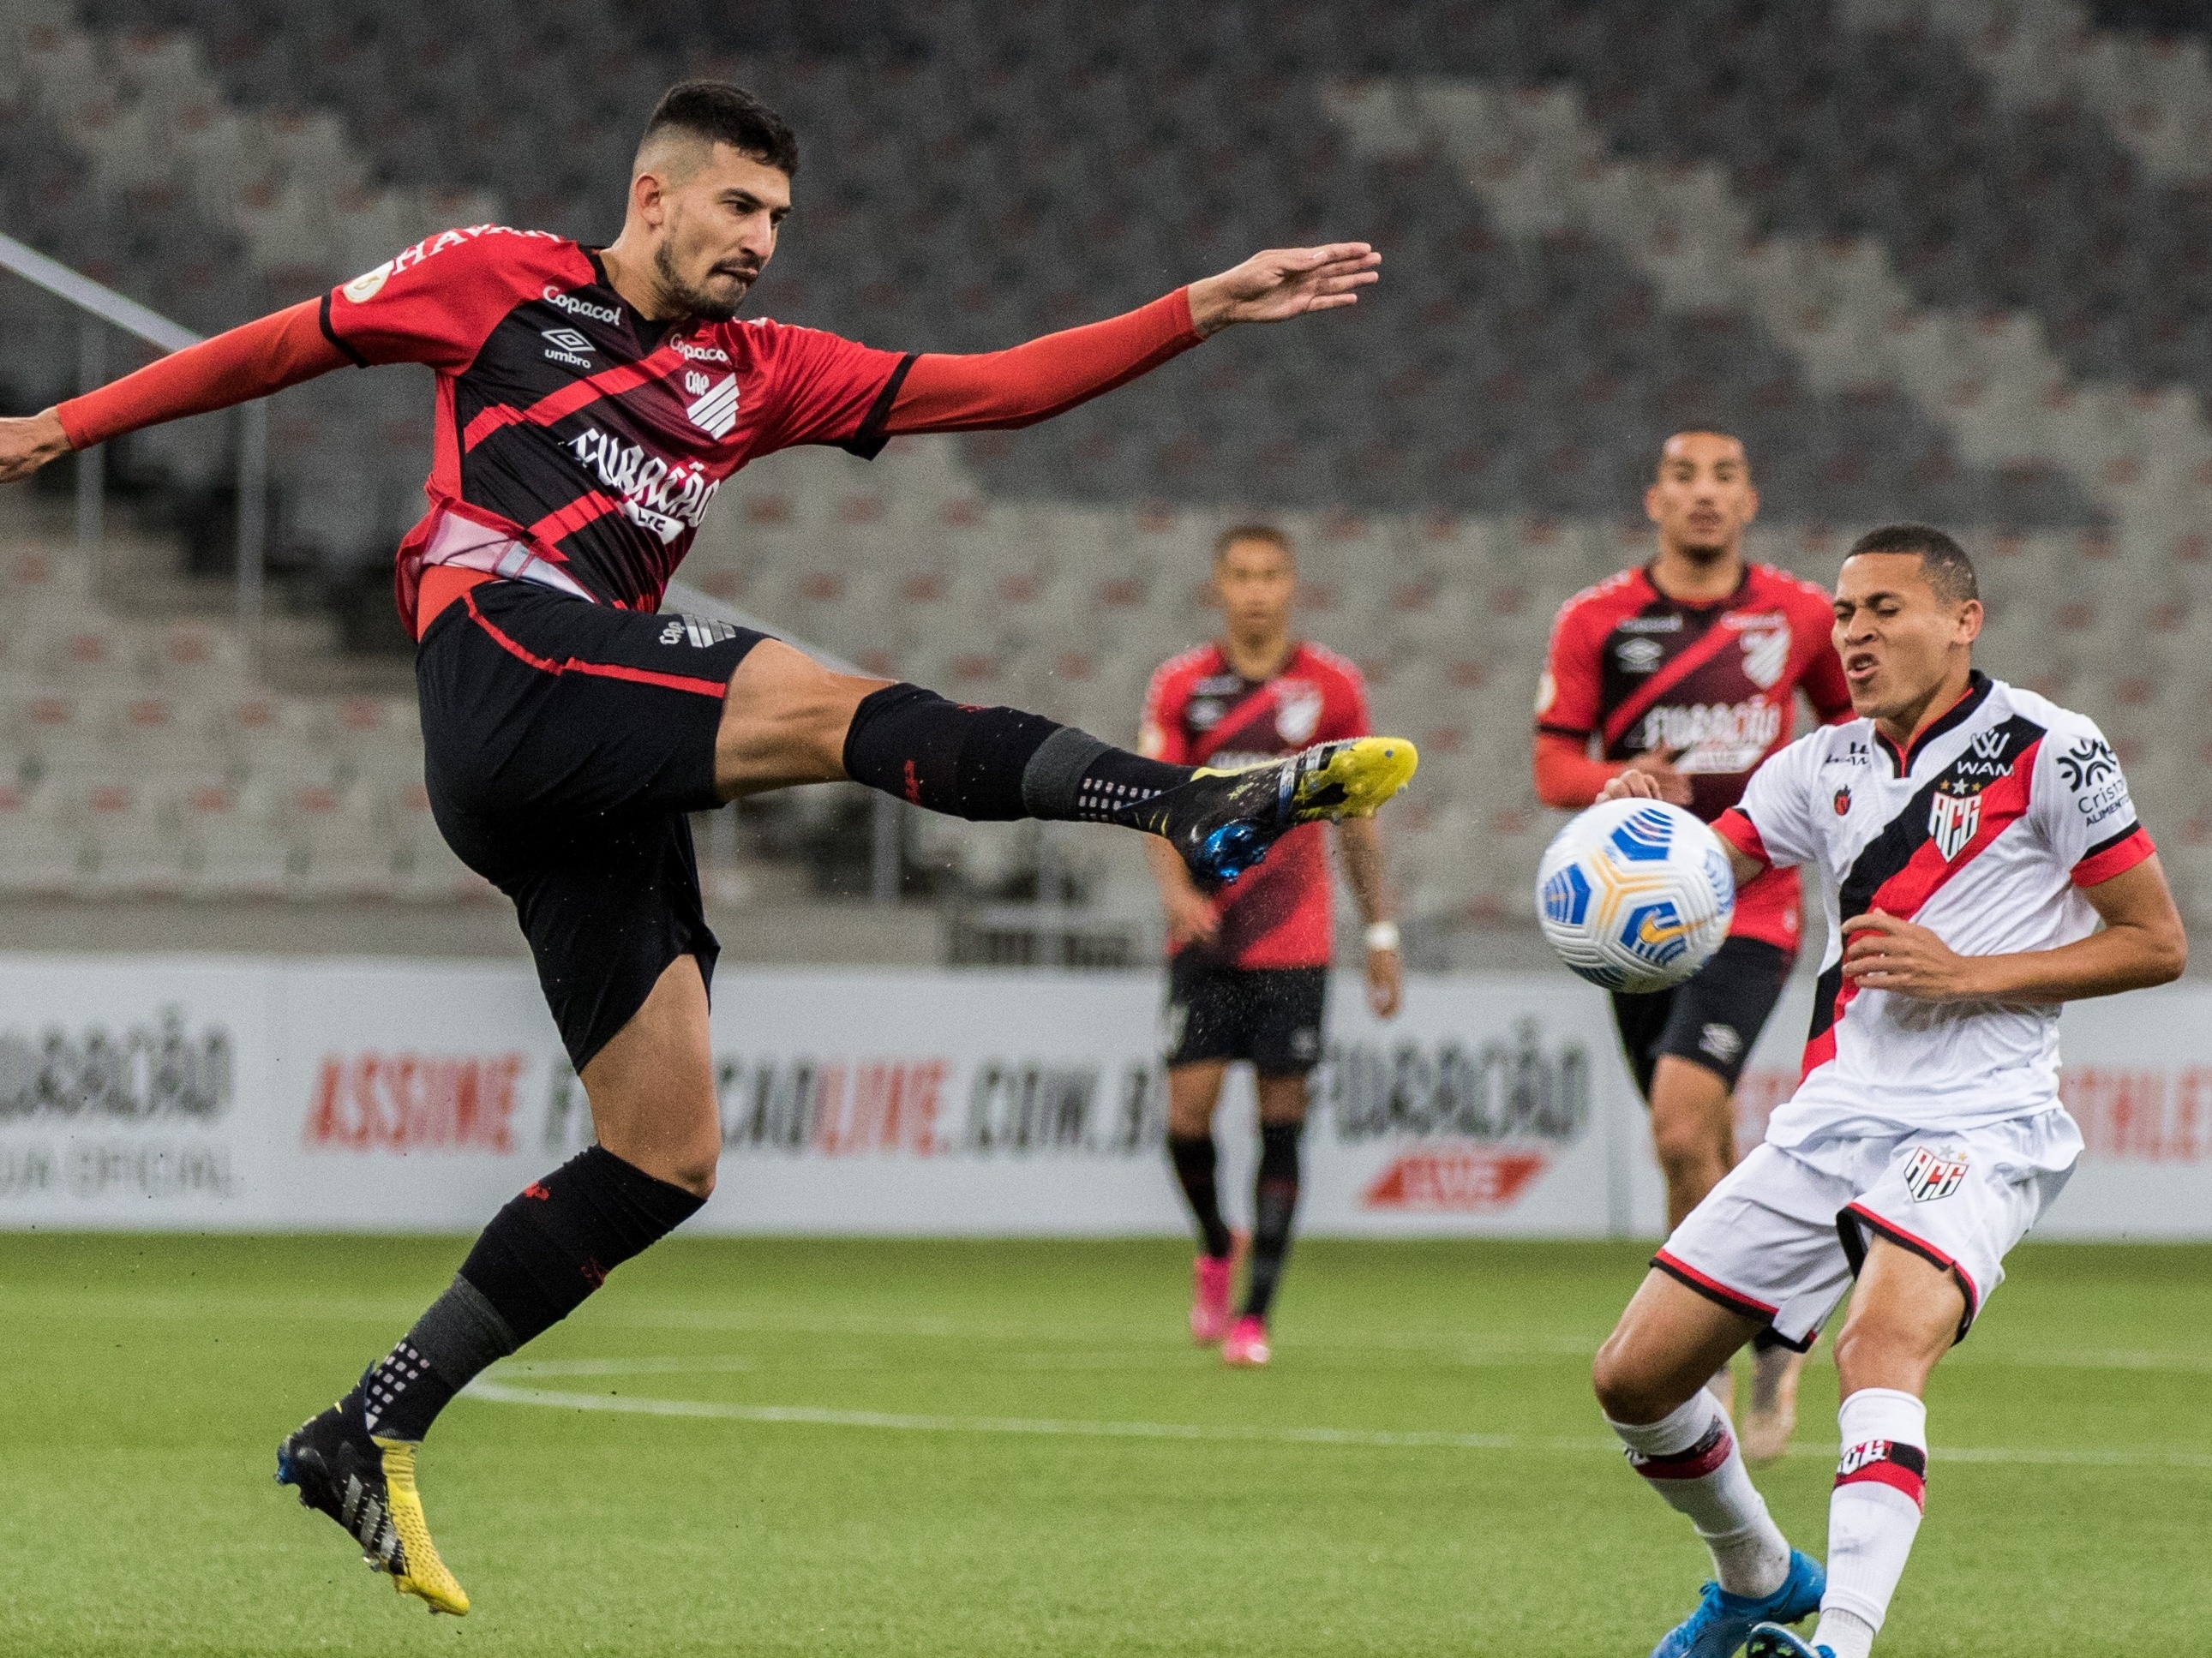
x: 1274, y: 1201
x: 542, y: 1255
x: 1195, y: 1160
x: 992, y: 764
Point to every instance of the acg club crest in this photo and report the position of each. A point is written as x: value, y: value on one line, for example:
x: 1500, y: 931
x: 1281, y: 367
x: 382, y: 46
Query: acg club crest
x: 1951, y: 821
x: 1934, y: 1172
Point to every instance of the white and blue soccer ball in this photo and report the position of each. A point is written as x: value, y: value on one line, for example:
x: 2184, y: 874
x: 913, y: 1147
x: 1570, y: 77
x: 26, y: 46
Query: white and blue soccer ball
x: 1635, y: 894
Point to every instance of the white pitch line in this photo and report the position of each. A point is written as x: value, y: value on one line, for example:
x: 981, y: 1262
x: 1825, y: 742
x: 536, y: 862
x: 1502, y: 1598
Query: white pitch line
x: 813, y: 1416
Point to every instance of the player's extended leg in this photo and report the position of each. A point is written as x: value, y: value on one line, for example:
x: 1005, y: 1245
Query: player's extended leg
x: 1650, y: 1379
x: 652, y: 1093
x: 1274, y: 1205
x: 1193, y: 1091
x: 788, y: 719
x: 1693, y: 1127
x: 1903, y: 1316
x: 1694, y: 1136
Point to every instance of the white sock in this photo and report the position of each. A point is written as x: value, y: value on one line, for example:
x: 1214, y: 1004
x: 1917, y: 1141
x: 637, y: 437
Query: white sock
x: 1873, y: 1514
x: 1691, y: 1460
x: 1844, y: 1633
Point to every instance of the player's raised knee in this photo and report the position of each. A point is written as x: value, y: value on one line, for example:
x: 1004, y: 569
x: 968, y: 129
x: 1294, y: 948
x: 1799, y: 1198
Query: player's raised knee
x: 1627, y: 1388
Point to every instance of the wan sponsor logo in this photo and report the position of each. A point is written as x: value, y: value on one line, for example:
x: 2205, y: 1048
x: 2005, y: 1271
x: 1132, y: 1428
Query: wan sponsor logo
x: 1479, y: 1122
x: 407, y: 1101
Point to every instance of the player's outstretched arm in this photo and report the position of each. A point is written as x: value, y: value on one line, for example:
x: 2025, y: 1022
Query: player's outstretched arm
x: 995, y: 391
x: 250, y: 361
x: 1283, y: 283
x: 2140, y: 944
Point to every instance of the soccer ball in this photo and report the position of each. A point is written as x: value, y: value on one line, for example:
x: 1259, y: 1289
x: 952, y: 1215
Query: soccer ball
x: 1635, y: 894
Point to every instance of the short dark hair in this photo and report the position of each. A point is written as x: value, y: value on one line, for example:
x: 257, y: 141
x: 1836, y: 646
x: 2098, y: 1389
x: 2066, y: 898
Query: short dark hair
x: 724, y: 114
x: 1262, y: 532
x: 1942, y: 561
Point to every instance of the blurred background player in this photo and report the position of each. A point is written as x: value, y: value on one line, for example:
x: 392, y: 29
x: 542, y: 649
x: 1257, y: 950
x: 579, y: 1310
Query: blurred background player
x: 1248, y: 971
x: 1687, y: 669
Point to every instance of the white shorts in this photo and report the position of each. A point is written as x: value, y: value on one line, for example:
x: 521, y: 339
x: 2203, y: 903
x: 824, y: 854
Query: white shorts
x: 1781, y: 1237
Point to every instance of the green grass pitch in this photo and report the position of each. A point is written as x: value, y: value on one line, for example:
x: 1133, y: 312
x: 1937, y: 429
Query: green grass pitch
x: 896, y: 1448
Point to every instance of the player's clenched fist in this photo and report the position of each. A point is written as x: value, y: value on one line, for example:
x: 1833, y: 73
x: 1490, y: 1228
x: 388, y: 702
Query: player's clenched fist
x: 1282, y: 283
x: 27, y: 444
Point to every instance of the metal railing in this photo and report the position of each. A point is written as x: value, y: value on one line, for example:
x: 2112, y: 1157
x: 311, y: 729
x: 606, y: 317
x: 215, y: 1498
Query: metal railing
x: 101, y: 309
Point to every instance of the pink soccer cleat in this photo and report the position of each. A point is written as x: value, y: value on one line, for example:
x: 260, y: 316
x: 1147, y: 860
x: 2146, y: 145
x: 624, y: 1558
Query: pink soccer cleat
x: 1247, y: 1343
x: 1210, y: 1277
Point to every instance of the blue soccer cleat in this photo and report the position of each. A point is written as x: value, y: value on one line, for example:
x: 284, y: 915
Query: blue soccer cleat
x: 1772, y: 1640
x: 1223, y: 822
x: 1723, y: 1621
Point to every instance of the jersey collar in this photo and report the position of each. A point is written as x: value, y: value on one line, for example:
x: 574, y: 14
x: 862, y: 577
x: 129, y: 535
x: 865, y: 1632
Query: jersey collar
x: 1696, y: 606
x: 1977, y: 693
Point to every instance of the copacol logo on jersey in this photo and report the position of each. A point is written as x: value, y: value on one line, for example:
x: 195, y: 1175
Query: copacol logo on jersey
x: 655, y: 495
x: 1483, y: 1120
x: 129, y: 1100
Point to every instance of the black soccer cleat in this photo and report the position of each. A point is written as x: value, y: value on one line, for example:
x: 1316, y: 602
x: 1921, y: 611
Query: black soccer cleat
x: 368, y: 1485
x: 1223, y: 822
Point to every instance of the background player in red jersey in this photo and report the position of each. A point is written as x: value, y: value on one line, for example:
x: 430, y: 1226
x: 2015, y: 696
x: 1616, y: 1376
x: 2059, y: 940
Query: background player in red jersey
x: 1687, y: 669
x: 589, y: 401
x: 1248, y: 974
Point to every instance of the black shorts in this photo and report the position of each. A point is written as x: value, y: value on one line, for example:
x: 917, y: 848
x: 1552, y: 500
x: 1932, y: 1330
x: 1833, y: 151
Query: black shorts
x: 1711, y: 1021
x: 565, y: 743
x: 1271, y: 1016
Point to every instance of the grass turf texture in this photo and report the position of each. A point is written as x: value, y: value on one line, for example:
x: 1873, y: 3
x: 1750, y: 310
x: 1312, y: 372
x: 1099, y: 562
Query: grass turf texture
x: 144, y: 1382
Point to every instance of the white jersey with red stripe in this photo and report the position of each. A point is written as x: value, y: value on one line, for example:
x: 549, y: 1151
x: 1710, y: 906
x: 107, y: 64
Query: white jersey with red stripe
x: 1985, y: 831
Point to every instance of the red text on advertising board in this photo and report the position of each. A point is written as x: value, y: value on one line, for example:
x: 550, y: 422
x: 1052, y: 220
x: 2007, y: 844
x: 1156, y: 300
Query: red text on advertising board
x: 878, y: 1106
x: 2146, y: 1116
x: 373, y: 1102
x: 1454, y: 1179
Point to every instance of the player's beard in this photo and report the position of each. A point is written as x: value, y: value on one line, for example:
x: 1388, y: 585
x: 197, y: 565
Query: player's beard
x: 697, y: 302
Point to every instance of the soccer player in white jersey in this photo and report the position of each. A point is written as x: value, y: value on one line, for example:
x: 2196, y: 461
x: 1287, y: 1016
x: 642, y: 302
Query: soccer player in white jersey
x: 1967, y: 838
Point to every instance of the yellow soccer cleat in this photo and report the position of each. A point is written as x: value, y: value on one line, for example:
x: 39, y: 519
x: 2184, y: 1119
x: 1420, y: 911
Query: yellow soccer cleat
x: 1223, y: 822
x: 368, y: 1485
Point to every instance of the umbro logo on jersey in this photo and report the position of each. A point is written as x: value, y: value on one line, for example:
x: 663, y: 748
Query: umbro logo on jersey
x: 1639, y: 655
x: 714, y: 410
x: 569, y: 347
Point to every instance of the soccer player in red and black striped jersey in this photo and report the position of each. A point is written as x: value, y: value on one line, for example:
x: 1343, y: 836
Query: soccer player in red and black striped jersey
x: 1248, y: 974
x: 1689, y: 668
x: 589, y: 401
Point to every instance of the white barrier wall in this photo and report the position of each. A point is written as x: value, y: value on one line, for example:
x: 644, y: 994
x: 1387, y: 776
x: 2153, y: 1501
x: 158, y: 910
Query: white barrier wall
x: 232, y: 1093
